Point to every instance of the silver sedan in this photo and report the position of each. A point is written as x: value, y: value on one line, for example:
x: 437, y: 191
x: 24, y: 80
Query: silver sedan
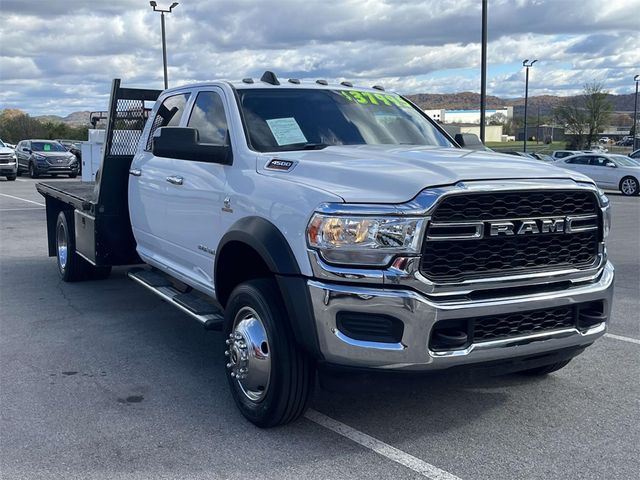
x: 617, y: 172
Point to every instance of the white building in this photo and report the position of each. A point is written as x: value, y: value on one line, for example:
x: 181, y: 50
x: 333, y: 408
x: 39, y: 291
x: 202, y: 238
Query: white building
x: 466, y: 116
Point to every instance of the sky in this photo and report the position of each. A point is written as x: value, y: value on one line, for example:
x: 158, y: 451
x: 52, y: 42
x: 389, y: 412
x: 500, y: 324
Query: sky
x: 59, y: 56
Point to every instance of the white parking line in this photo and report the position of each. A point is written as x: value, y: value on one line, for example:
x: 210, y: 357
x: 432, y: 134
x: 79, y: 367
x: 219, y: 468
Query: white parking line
x: 423, y: 468
x: 23, y: 199
x: 624, y: 339
x: 20, y: 209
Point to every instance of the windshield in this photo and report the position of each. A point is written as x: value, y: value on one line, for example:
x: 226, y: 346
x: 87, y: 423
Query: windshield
x: 624, y: 161
x: 2, y: 144
x: 292, y: 119
x: 47, y: 147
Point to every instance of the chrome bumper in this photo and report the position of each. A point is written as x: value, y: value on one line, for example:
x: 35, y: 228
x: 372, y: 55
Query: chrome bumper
x: 420, y: 313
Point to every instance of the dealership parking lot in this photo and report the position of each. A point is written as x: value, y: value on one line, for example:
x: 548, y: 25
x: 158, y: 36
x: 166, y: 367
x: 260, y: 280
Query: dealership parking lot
x: 103, y: 380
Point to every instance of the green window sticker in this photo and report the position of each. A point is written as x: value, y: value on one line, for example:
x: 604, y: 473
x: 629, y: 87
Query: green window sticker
x: 47, y: 147
x: 369, y: 98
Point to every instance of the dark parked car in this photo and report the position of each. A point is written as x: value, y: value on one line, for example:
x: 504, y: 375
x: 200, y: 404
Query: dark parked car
x: 45, y: 157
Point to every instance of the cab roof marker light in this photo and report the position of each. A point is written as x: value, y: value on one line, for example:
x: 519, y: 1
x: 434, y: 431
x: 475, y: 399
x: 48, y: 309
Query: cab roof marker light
x: 346, y: 84
x: 322, y: 82
x: 247, y: 80
x: 378, y: 87
x: 294, y: 80
x: 270, y: 78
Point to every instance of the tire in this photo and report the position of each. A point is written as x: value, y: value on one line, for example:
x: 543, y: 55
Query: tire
x: 18, y: 172
x: 11, y: 178
x: 71, y: 267
x: 629, y: 186
x: 278, y: 377
x: 545, y: 369
x: 73, y: 175
x: 33, y: 171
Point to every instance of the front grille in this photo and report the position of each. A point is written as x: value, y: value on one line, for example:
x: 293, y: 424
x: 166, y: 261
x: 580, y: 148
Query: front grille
x: 501, y: 205
x: 6, y: 158
x: 457, y: 260
x: 460, y: 333
x: 58, y: 161
x: 496, y: 327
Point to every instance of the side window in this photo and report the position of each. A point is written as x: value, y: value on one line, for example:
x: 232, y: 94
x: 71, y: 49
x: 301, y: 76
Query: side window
x: 599, y: 161
x: 579, y: 160
x: 168, y: 114
x: 208, y: 117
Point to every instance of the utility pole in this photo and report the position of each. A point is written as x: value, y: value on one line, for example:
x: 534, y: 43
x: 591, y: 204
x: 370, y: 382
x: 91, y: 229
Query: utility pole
x: 526, y: 99
x: 154, y: 5
x: 635, y: 114
x: 483, y: 73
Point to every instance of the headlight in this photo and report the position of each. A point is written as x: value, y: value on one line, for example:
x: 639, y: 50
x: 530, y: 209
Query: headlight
x: 362, y: 240
x: 39, y: 157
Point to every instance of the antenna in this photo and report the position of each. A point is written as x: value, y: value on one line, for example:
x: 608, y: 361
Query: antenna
x: 269, y: 77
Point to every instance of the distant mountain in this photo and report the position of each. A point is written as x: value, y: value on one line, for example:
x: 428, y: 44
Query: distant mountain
x: 75, y: 119
x: 471, y: 101
x: 429, y: 101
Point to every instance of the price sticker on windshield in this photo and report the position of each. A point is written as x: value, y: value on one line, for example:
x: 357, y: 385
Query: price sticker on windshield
x: 370, y: 98
x: 286, y: 131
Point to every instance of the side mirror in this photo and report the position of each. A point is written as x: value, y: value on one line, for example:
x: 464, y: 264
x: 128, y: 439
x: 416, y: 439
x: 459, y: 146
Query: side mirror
x: 183, y: 143
x: 28, y: 150
x: 611, y: 165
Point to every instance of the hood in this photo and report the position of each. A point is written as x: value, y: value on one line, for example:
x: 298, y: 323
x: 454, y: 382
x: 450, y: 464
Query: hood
x: 396, y: 174
x: 6, y: 150
x: 48, y: 154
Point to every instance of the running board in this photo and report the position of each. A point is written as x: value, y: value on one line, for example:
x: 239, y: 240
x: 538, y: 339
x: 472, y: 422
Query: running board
x: 191, y: 303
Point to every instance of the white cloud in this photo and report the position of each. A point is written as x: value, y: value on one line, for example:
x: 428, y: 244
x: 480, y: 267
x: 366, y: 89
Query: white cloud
x: 56, y: 57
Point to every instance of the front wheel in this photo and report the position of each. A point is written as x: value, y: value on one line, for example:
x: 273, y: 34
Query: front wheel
x: 11, y: 178
x: 629, y: 186
x: 33, y: 172
x: 270, y: 376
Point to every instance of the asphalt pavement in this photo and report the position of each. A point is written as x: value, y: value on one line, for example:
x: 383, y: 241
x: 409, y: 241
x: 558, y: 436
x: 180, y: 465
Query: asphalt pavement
x: 102, y: 380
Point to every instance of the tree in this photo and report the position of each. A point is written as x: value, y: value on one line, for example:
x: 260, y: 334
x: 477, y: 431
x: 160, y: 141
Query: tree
x: 598, y: 109
x: 16, y: 125
x: 573, y: 116
x: 498, y: 119
x: 584, y: 116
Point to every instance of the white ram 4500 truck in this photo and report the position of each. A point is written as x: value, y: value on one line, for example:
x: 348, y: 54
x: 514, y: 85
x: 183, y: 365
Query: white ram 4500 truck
x: 325, y: 226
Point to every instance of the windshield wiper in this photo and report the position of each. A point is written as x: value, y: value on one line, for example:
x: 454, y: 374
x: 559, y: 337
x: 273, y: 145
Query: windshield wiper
x: 312, y: 146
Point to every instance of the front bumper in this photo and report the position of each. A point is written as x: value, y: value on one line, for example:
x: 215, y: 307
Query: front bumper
x: 49, y: 169
x: 420, y: 313
x: 8, y: 168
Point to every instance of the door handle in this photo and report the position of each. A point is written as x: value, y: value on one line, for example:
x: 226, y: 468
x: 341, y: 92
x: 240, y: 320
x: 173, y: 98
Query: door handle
x: 136, y: 172
x: 175, y: 179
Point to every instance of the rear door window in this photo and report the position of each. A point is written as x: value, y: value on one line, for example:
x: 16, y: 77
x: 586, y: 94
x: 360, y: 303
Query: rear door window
x: 168, y: 114
x: 583, y: 160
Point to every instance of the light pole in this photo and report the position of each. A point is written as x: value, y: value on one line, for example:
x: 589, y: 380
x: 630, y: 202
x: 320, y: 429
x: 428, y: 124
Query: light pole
x: 483, y: 72
x: 154, y: 5
x: 635, y: 114
x: 527, y: 65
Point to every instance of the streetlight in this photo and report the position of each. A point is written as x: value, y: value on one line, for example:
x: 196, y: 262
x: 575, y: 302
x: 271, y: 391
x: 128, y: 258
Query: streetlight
x: 635, y: 113
x: 526, y: 99
x: 483, y: 72
x: 154, y: 5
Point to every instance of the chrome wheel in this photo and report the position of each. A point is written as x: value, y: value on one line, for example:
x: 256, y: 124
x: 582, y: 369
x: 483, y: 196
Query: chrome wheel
x: 629, y: 186
x: 249, y: 354
x: 61, y: 243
